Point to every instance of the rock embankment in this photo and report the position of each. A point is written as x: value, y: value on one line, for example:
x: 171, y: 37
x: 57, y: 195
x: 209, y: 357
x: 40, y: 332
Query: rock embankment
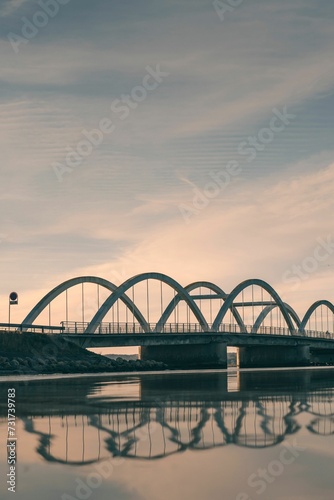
x: 32, y: 353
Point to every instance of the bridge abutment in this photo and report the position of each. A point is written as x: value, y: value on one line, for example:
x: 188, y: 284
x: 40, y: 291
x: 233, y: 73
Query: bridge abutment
x: 188, y: 356
x: 273, y: 356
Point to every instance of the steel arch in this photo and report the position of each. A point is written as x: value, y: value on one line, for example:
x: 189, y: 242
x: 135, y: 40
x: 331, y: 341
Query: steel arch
x: 239, y: 288
x: 49, y: 297
x: 271, y: 440
x: 192, y: 286
x: 262, y: 316
x: 44, y: 444
x: 311, y: 310
x: 110, y: 301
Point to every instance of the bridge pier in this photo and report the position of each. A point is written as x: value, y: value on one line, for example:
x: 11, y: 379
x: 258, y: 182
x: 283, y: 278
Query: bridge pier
x: 178, y: 386
x: 322, y: 356
x: 188, y: 356
x: 273, y: 356
x: 272, y: 381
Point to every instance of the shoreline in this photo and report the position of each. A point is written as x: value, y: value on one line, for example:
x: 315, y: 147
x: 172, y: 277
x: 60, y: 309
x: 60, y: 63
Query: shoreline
x: 230, y: 370
x: 34, y: 354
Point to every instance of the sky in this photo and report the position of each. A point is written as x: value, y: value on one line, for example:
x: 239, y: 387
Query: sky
x: 216, y: 159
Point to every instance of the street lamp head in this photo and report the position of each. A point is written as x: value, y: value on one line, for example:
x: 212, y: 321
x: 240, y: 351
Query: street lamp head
x: 13, y: 298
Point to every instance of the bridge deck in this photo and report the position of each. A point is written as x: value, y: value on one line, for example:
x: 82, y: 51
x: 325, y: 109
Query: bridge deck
x: 231, y: 339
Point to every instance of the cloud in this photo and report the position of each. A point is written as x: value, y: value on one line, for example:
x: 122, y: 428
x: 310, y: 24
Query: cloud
x: 120, y: 207
x: 11, y: 6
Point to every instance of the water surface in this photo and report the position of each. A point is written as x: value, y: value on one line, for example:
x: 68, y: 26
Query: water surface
x: 206, y: 435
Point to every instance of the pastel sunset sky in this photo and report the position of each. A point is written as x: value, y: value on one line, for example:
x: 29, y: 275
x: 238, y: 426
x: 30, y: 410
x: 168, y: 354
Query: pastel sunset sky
x: 244, y: 95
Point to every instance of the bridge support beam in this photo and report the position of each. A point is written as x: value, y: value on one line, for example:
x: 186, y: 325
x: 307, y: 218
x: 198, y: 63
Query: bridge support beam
x: 273, y: 356
x: 188, y: 356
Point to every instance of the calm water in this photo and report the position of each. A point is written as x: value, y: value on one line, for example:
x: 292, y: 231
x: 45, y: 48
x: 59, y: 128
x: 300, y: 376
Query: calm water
x: 249, y: 435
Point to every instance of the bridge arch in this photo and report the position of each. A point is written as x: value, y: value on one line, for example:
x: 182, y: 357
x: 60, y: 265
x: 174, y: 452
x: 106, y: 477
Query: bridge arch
x: 242, y: 286
x: 269, y: 437
x: 317, y: 422
x: 262, y: 316
x: 44, y: 443
x: 189, y: 288
x: 312, y: 309
x: 120, y: 291
x: 66, y: 285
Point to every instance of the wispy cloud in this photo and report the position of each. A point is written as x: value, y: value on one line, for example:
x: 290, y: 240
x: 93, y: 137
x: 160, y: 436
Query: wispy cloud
x: 11, y: 6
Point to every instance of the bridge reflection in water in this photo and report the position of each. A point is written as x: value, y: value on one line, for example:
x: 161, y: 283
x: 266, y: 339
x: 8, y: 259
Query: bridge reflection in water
x: 172, y: 415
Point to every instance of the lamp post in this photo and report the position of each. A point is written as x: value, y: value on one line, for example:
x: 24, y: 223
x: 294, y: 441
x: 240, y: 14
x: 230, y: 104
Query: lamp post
x: 13, y: 300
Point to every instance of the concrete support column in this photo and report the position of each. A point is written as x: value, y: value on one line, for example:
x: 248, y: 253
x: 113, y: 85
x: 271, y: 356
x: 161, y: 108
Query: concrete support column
x: 273, y: 356
x: 322, y: 356
x: 188, y: 356
x: 182, y: 386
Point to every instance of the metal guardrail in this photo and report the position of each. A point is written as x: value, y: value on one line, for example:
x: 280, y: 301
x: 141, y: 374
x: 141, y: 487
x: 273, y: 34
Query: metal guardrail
x: 20, y: 327
x: 78, y: 327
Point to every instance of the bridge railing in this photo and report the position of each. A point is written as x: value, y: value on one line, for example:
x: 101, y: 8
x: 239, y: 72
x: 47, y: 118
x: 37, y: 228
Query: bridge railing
x: 75, y: 327
x: 121, y: 328
x: 321, y: 335
x: 23, y: 327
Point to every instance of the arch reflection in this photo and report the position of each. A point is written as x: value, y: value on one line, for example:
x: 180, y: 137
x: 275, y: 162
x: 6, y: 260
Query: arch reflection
x: 153, y: 430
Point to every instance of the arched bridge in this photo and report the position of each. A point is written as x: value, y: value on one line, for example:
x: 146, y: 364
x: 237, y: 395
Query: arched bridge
x: 187, y: 325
